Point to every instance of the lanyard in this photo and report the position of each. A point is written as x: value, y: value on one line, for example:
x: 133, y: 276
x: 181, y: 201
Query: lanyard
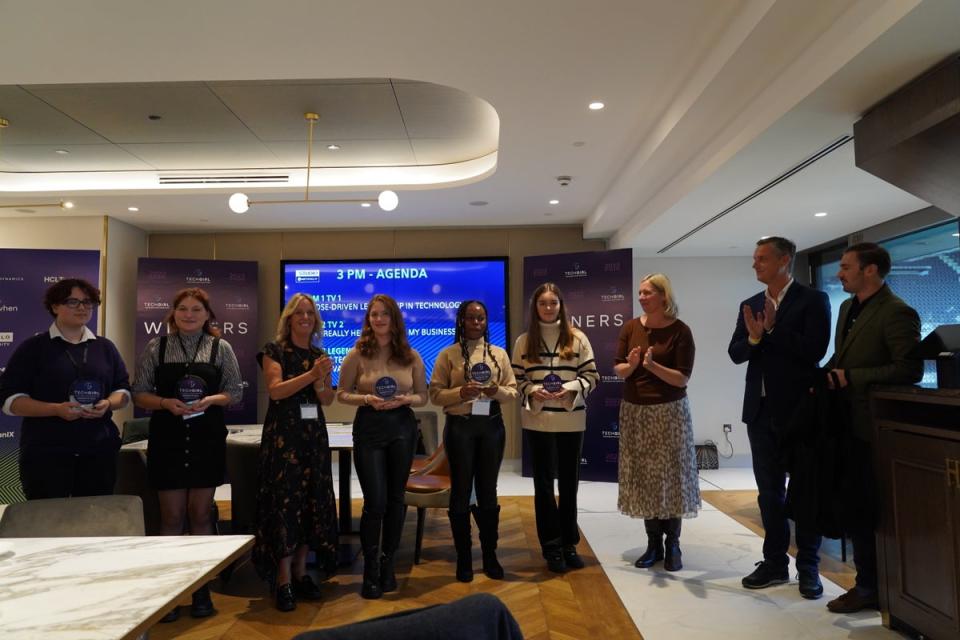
x: 185, y: 352
x: 553, y: 353
x: 78, y: 366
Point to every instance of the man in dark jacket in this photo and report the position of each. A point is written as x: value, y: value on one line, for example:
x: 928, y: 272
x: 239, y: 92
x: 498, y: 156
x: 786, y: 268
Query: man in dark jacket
x: 782, y: 333
x: 876, y: 331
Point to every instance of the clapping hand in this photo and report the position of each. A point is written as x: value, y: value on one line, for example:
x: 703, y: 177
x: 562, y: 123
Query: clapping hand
x: 648, y: 358
x: 754, y: 321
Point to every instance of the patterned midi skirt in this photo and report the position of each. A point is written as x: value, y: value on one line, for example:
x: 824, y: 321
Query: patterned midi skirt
x: 658, y: 466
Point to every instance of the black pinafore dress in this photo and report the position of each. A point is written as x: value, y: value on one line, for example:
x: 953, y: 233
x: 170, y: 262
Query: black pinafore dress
x: 187, y: 454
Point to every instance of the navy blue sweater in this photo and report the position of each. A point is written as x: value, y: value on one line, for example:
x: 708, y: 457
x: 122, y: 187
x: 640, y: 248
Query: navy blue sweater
x: 41, y: 369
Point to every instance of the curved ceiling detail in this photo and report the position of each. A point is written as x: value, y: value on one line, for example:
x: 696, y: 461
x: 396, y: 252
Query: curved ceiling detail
x: 214, y: 135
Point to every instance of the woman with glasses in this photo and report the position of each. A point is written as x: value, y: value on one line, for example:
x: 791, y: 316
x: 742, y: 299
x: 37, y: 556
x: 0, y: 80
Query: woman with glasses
x: 296, y: 507
x: 555, y: 371
x: 185, y: 379
x: 66, y: 383
x: 470, y: 380
x: 384, y: 377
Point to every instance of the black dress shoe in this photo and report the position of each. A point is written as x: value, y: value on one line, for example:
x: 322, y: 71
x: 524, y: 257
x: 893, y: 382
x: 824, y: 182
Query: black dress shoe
x: 571, y: 558
x: 853, y: 601
x: 766, y: 575
x: 285, y: 598
x: 306, y: 589
x: 555, y: 561
x: 388, y: 576
x: 202, y: 606
x: 810, y: 586
x: 172, y: 616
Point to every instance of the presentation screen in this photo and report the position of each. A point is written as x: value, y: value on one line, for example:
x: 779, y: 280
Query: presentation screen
x: 427, y: 291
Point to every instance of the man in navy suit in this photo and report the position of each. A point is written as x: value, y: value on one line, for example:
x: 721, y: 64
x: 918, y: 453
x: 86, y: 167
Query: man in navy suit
x: 782, y: 333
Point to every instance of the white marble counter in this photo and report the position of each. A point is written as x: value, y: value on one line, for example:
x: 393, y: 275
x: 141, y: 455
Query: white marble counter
x: 100, y: 588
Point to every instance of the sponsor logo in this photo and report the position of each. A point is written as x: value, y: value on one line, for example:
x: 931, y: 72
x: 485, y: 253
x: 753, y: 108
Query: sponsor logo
x: 239, y: 305
x: 156, y: 303
x: 156, y: 274
x: 6, y: 434
x: 540, y: 273
x: 613, y: 294
x: 306, y: 275
x: 610, y: 379
x: 576, y: 271
x: 53, y: 279
x: 11, y: 278
x: 197, y: 277
x: 237, y: 277
x: 8, y: 307
x: 611, y: 267
x: 611, y: 431
x: 6, y: 337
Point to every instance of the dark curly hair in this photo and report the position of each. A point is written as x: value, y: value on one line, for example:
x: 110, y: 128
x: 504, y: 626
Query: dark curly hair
x: 59, y: 292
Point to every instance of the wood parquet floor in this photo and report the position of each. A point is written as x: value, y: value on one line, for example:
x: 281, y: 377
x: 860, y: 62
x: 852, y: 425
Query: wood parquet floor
x: 576, y: 605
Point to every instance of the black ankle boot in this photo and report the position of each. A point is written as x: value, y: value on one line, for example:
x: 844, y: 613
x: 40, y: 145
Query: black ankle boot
x: 488, y: 524
x: 672, y: 555
x: 388, y: 577
x: 202, y: 606
x: 285, y: 600
x: 371, y: 574
x: 460, y: 526
x: 654, y: 550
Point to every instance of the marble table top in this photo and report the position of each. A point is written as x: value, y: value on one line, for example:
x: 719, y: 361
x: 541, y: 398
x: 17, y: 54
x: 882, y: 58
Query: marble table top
x: 103, y: 588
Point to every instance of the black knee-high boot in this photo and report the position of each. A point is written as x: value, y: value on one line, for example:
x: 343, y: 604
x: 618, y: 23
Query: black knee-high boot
x: 370, y: 542
x: 460, y: 526
x: 654, y: 550
x: 671, y: 557
x: 392, y: 529
x: 488, y: 525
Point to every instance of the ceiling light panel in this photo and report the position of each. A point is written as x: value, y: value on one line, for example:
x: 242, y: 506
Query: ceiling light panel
x: 191, y: 112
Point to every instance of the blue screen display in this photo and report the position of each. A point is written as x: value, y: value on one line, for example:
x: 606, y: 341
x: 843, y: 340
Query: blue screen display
x: 427, y: 291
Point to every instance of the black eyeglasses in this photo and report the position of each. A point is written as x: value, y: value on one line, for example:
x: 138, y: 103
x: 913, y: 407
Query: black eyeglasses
x: 73, y: 303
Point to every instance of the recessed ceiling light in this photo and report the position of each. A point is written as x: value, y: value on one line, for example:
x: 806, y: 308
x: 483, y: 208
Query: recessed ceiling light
x: 596, y: 106
x: 333, y: 147
x: 548, y: 215
x: 554, y: 202
x: 365, y: 205
x: 62, y: 152
x: 67, y: 204
x: 579, y: 143
x: 133, y: 209
x: 820, y: 214
x: 154, y: 116
x: 479, y: 203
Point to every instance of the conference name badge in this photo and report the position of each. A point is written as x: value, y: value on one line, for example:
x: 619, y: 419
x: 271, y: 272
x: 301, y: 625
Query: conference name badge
x: 309, y: 412
x: 189, y: 390
x: 86, y: 392
x: 386, y: 387
x: 552, y: 383
x: 481, y: 373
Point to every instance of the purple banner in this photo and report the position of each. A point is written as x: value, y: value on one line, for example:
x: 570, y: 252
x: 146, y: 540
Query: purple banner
x: 232, y: 286
x: 597, y: 289
x: 25, y: 275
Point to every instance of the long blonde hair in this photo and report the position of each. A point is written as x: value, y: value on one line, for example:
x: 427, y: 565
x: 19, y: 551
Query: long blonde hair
x: 662, y: 284
x: 282, y: 337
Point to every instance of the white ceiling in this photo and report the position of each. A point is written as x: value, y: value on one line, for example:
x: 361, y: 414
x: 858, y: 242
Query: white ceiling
x: 706, y: 101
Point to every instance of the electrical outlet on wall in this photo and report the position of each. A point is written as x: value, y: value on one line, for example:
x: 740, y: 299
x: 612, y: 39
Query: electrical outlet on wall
x: 727, y: 428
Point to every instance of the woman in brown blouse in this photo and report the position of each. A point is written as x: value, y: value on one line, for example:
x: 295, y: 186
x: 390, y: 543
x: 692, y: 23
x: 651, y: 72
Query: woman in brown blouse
x: 658, y: 469
x: 384, y: 377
